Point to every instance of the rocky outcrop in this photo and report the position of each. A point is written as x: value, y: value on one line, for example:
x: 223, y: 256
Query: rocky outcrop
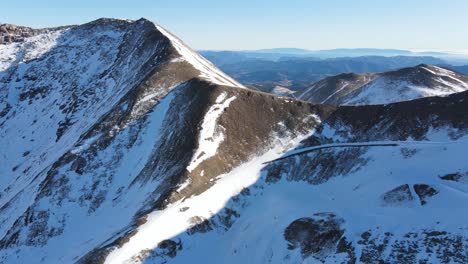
x: 10, y: 33
x: 317, y: 236
x: 399, y: 195
x: 424, y: 192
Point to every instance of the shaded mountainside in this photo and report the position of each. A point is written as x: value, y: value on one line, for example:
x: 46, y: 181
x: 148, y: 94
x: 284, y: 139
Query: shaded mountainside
x: 387, y: 87
x: 122, y: 145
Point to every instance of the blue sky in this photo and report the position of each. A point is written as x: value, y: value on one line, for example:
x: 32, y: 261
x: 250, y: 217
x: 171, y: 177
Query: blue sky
x: 256, y: 24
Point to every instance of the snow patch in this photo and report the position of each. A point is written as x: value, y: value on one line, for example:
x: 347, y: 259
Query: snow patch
x: 210, y: 136
x: 184, y: 185
x: 282, y: 91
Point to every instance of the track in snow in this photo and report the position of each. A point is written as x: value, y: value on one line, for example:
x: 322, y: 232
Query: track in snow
x: 358, y: 145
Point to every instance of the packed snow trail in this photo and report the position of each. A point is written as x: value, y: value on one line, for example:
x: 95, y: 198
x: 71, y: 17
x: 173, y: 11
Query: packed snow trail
x: 358, y: 145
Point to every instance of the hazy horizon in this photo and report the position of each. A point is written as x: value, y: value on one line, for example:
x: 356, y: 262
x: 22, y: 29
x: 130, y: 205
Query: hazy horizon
x: 452, y: 51
x: 252, y: 25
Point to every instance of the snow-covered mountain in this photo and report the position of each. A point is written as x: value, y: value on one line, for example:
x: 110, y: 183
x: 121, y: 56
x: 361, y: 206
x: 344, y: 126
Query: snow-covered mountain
x: 122, y: 145
x: 387, y: 87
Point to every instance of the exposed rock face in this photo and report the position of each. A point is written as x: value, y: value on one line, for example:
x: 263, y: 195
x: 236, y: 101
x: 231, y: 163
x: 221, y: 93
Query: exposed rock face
x: 387, y: 87
x: 11, y: 33
x: 399, y: 195
x: 438, y: 246
x: 424, y: 192
x: 134, y: 149
x: 322, y: 238
x: 317, y: 236
x: 456, y: 177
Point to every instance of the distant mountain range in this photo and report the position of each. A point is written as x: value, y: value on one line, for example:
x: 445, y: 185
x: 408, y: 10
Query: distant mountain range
x: 297, y: 69
x: 299, y: 73
x: 278, y: 53
x: 333, y: 53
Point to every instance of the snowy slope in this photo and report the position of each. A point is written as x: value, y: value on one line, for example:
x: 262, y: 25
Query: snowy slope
x: 125, y: 146
x: 257, y: 219
x: 396, y: 196
x: 380, y: 88
x: 44, y: 96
